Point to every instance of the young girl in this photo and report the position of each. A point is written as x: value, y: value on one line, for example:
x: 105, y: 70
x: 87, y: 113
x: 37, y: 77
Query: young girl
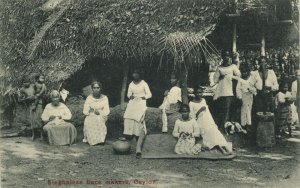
x: 209, y: 131
x: 186, y: 130
x: 245, y: 90
x: 283, y: 103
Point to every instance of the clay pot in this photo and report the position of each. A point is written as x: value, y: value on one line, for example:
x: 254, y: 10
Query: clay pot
x: 121, y: 146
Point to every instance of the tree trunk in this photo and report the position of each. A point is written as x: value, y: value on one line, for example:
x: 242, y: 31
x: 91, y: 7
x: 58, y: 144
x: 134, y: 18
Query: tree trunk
x: 124, y: 84
x: 298, y: 93
x: 184, y: 90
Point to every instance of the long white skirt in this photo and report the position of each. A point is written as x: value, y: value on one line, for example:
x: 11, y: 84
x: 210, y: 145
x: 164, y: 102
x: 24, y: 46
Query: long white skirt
x: 209, y: 131
x: 132, y: 127
x: 95, y: 129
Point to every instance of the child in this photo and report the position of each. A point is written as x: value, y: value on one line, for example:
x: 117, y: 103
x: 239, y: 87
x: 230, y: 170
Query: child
x: 209, y: 131
x: 27, y: 95
x: 283, y: 103
x: 245, y: 90
x: 186, y: 130
x: 40, y: 90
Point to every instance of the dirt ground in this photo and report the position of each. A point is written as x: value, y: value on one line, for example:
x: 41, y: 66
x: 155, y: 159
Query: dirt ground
x: 36, y: 164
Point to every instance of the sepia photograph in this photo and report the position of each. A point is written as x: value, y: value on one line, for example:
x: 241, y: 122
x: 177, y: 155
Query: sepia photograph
x: 149, y: 93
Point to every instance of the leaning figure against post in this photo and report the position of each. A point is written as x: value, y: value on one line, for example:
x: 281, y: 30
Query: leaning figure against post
x: 171, y: 102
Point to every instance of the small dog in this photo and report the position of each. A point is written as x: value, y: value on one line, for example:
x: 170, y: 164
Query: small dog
x: 233, y: 127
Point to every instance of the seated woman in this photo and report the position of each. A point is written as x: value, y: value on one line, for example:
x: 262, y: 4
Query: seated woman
x: 58, y: 130
x: 186, y: 130
x: 96, y: 109
x: 209, y: 131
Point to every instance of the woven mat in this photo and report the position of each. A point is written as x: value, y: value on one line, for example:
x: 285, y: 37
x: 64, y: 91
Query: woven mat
x: 161, y: 146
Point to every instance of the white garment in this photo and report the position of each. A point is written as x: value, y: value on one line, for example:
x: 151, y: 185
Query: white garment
x: 139, y: 90
x: 281, y: 98
x: 294, y: 89
x: 271, y: 80
x: 134, y: 117
x: 208, y: 129
x: 224, y: 87
x: 189, y: 127
x: 295, y: 117
x: 60, y: 110
x: 174, y: 95
x: 245, y: 91
x: 94, y: 125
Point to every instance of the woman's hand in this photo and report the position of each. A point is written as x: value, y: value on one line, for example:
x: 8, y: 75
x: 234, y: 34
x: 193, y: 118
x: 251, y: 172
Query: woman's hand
x: 91, y: 110
x: 51, y: 118
x: 97, y: 112
x: 221, y: 77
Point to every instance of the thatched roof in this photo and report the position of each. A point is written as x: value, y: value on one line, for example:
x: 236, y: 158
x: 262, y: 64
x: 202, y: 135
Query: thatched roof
x: 56, y: 40
x: 109, y: 28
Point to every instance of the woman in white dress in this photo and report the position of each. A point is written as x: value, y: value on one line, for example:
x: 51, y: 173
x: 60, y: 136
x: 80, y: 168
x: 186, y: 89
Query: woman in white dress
x: 209, y: 131
x: 224, y: 91
x: 96, y: 109
x: 134, y: 117
x: 56, y: 115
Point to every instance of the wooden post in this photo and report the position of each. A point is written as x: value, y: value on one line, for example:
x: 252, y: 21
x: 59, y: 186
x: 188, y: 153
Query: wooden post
x: 124, y: 83
x: 184, y: 90
x: 234, y: 38
x: 263, y: 42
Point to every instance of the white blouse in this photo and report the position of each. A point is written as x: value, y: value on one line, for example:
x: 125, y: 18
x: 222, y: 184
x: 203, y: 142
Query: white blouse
x: 271, y: 80
x: 102, y: 105
x: 189, y: 126
x: 139, y: 90
x: 245, y: 86
x: 281, y: 97
x: 224, y: 87
x: 60, y: 110
x: 174, y: 95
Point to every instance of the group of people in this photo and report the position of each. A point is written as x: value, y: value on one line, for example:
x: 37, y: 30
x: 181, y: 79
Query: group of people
x: 256, y: 88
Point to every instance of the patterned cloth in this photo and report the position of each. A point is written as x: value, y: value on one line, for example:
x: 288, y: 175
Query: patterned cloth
x: 284, y: 110
x: 94, y: 125
x: 186, y: 144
